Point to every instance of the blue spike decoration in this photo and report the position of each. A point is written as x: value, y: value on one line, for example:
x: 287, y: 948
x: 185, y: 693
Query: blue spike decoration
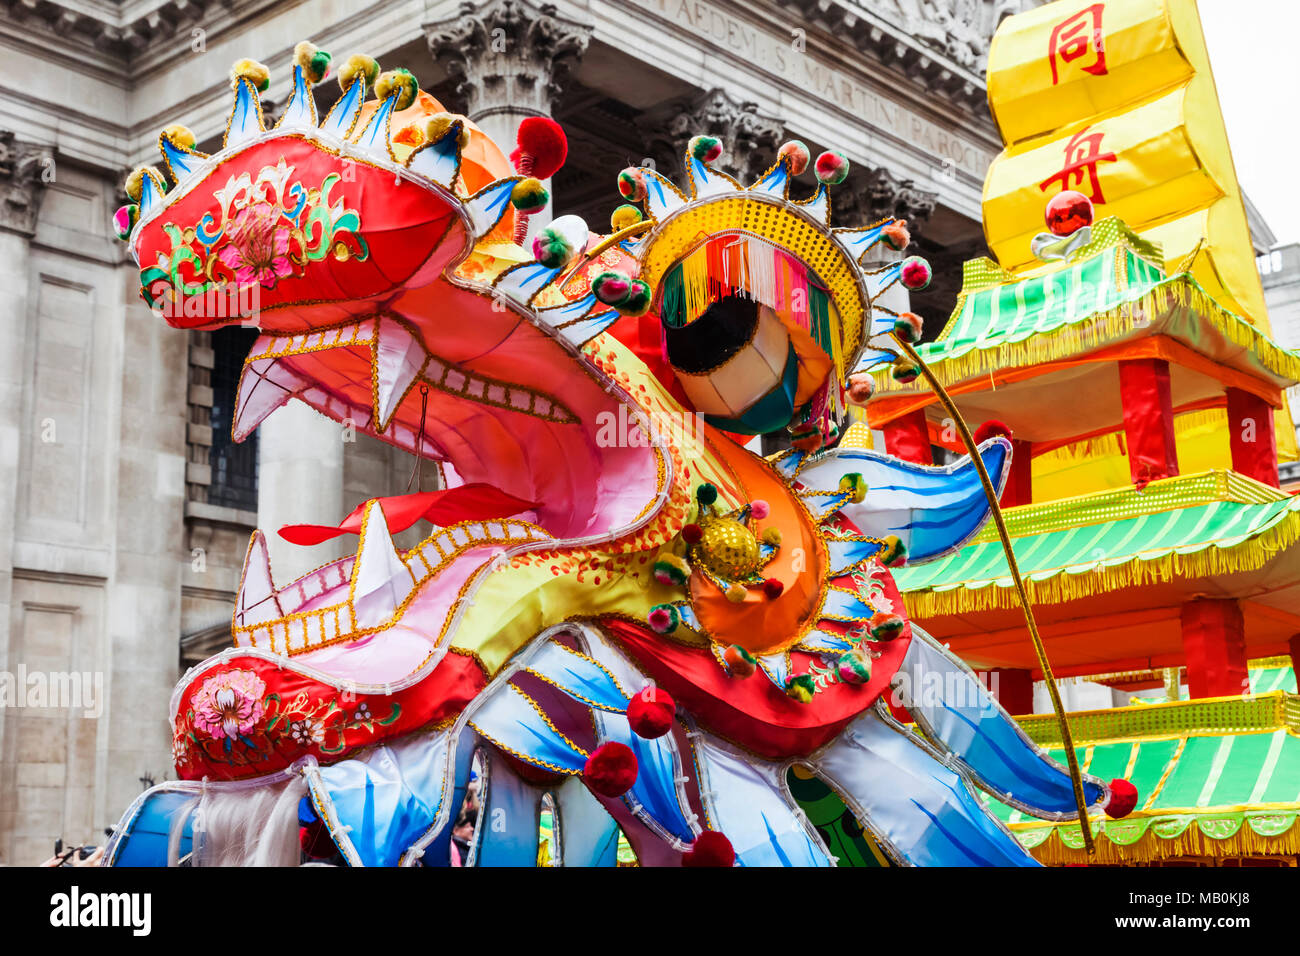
x: 343, y: 114
x: 246, y: 120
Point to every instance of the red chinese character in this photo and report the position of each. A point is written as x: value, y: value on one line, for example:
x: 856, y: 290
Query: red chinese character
x: 1082, y: 154
x: 1077, y: 36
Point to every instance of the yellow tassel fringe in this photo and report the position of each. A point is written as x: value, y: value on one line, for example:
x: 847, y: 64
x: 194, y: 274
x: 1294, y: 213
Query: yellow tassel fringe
x: 1191, y: 842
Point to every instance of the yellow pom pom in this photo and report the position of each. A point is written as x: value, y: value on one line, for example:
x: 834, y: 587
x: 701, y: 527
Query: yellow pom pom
x: 399, y: 83
x: 179, y: 135
x: 736, y: 593
x: 314, y: 61
x: 772, y: 536
x: 624, y: 216
x: 358, y: 65
x: 135, y: 181
x: 439, y: 124
x: 256, y: 73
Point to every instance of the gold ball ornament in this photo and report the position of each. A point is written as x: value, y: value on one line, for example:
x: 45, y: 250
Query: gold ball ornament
x: 729, y: 549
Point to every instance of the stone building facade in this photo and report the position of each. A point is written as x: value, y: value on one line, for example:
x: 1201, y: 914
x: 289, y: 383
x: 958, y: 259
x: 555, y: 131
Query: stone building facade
x: 124, y: 508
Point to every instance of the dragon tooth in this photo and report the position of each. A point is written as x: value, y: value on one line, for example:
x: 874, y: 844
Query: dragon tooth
x: 398, y: 359
x: 381, y: 580
x: 257, y: 602
x: 343, y: 115
x: 775, y: 181
x: 489, y: 204
x: 264, y: 385
x: 706, y: 181
x: 374, y: 138
x: 180, y: 162
x: 301, y: 108
x: 440, y: 161
x: 661, y: 197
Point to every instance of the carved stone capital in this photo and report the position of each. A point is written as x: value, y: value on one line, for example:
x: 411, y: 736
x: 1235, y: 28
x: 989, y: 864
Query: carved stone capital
x: 749, y: 138
x: 25, y: 169
x: 508, y: 53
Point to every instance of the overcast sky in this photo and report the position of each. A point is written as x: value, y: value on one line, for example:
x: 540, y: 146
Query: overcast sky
x: 1255, y: 54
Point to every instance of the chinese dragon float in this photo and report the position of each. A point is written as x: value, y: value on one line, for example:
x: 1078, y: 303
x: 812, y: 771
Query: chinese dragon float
x: 619, y: 606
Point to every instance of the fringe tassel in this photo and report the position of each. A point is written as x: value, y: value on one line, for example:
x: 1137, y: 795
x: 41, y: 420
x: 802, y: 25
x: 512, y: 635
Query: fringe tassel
x: 1103, y: 328
x: 1061, y: 588
x: 1191, y: 842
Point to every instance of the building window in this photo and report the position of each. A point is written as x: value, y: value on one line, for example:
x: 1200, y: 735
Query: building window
x: 234, y: 465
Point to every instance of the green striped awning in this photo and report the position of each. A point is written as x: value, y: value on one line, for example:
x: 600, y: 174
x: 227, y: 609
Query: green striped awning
x: 1198, y: 795
x: 1100, y: 543
x: 1112, y: 291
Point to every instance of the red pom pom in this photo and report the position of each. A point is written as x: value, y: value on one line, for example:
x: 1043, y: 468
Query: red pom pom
x: 773, y: 588
x: 316, y: 841
x: 991, y: 429
x: 710, y: 848
x: 1123, y: 798
x: 545, y: 142
x: 692, y: 533
x: 650, y: 713
x: 611, y: 769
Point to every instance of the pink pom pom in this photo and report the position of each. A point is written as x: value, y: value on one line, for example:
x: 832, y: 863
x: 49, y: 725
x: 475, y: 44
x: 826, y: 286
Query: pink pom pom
x: 760, y: 509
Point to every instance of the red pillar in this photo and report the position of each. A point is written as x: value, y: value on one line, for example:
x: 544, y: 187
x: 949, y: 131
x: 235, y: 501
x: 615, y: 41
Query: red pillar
x: 1020, y: 481
x: 1148, y: 419
x: 1251, y: 436
x: 1295, y: 653
x: 1013, y: 688
x: 1214, y: 640
x: 908, y: 438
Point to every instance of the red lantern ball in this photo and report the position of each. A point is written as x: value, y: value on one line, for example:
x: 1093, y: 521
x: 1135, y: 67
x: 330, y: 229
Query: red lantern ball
x: 991, y: 429
x: 710, y: 848
x: 650, y: 712
x: 1068, y: 212
x: 1123, y: 798
x: 611, y: 769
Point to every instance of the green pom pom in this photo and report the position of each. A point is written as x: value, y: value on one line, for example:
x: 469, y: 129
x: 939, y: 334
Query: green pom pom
x: 358, y: 65
x: 631, y: 184
x: 855, y: 485
x: 314, y: 62
x: 664, y: 618
x: 638, y: 299
x: 706, y: 494
x: 705, y: 148
x: 611, y: 287
x: 552, y: 249
x: 801, y: 688
x: 529, y: 195
x: 400, y: 83
x: 124, y: 220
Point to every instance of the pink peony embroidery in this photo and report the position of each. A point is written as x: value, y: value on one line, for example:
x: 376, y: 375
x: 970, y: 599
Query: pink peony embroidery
x: 258, y: 250
x: 229, y: 704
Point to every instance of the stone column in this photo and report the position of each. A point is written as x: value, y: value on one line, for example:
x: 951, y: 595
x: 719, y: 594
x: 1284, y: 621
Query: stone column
x: 21, y: 188
x: 511, y: 58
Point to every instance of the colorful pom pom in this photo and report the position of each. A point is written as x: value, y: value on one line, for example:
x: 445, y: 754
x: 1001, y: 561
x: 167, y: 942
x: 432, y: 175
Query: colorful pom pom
x: 256, y: 73
x: 736, y: 593
x: 611, y: 287
x: 853, y: 667
x: 760, y: 509
x: 529, y: 196
x: 772, y: 536
x: 134, y: 185
x: 710, y: 848
x: 638, y: 298
x: 671, y: 569
x: 663, y: 618
x: 796, y: 155
x: 181, y: 136
x: 439, y: 126
x: 552, y: 248
x: 801, y: 687
x: 692, y: 533
x: 894, y: 554
x: 861, y: 388
x: 400, y: 83
x: 611, y: 769
x: 124, y: 220
x: 832, y: 168
x: 884, y: 626
x: 1123, y: 798
x: 855, y: 485
x: 541, y: 147
x: 705, y: 148
x: 904, y: 372
x: 315, y: 62
x: 706, y: 494
x: 631, y: 184
x: 908, y: 327
x: 915, y: 274
x: 359, y: 66
x: 740, y: 663
x: 896, y: 235
x: 773, y: 588
x: 650, y: 712
x: 624, y: 216
x: 991, y: 429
